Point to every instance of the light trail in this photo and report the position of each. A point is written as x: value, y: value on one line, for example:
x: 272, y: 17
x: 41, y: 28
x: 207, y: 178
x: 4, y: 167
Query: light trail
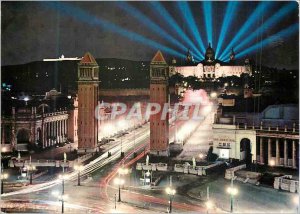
x: 105, y: 183
x: 90, y: 167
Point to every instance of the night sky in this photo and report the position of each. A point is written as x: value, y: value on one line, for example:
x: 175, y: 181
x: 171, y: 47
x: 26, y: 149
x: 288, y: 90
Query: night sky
x: 32, y: 31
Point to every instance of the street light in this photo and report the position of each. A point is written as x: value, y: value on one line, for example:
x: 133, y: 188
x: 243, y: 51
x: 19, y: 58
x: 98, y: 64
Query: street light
x: 119, y: 182
x: 232, y: 191
x: 171, y: 193
x: 30, y: 169
x: 26, y: 99
x: 4, y: 176
x: 209, y: 205
x: 78, y: 168
x: 62, y: 198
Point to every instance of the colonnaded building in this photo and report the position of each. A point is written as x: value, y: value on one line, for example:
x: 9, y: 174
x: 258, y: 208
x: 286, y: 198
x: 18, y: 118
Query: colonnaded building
x: 43, y: 122
x: 210, y: 67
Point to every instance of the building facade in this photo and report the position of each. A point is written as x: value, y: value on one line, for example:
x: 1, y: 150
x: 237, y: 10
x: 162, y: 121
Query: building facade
x: 159, y: 93
x: 210, y: 68
x: 88, y: 84
x: 270, y: 137
x: 27, y: 129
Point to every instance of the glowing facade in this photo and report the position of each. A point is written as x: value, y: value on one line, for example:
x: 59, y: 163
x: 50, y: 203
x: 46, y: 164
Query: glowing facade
x: 210, y: 68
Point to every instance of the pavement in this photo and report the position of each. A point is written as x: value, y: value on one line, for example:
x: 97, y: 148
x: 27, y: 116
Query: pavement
x: 250, y: 198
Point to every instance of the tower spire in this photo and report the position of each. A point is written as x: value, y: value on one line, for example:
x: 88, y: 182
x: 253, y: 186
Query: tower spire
x: 232, y: 55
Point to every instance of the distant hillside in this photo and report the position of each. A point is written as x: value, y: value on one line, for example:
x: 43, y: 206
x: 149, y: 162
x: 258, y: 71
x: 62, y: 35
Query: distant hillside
x: 39, y: 77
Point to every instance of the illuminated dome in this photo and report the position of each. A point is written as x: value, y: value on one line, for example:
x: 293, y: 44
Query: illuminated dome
x: 209, y: 54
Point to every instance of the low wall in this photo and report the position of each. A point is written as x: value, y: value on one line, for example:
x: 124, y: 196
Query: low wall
x: 124, y: 92
x: 49, y: 163
x: 229, y: 173
x: 181, y: 168
x: 286, y: 183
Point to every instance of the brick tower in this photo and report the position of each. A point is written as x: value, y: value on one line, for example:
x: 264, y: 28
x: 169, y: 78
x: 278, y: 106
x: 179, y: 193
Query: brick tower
x: 88, y: 81
x: 159, y: 93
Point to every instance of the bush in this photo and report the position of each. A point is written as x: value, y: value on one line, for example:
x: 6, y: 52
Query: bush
x: 211, y: 157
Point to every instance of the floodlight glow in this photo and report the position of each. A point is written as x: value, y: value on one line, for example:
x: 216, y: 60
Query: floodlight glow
x: 232, y: 190
x: 121, y: 124
x: 119, y: 181
x: 267, y: 25
x: 55, y: 193
x: 209, y: 204
x: 247, y: 25
x: 296, y: 199
x: 201, y: 156
x: 229, y: 15
x: 63, y: 177
x: 272, y: 163
x: 213, y: 94
x: 170, y: 191
x: 292, y: 29
x: 139, y: 16
x: 107, y: 129
x: 84, y: 16
x: 207, y: 11
x: 158, y: 7
x: 193, y: 28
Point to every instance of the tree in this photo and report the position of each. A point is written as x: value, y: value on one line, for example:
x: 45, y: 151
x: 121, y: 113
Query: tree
x: 176, y: 78
x: 211, y: 157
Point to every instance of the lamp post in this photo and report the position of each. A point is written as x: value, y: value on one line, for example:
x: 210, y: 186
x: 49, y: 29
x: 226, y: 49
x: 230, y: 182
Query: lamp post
x: 62, y: 198
x: 119, y: 182
x: 63, y: 178
x: 30, y: 169
x: 121, y: 124
x: 78, y: 168
x: 232, y: 191
x: 4, y: 176
x: 122, y: 153
x: 171, y: 193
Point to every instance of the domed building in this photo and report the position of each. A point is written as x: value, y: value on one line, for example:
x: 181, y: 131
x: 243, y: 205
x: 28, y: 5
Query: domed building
x: 210, y: 68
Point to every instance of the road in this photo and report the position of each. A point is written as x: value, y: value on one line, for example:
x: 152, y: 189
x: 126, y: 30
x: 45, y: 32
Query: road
x: 87, y: 199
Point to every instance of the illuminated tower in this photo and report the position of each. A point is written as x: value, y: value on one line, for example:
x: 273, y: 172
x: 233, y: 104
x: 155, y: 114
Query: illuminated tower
x: 209, y: 54
x: 159, y: 93
x: 88, y: 80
